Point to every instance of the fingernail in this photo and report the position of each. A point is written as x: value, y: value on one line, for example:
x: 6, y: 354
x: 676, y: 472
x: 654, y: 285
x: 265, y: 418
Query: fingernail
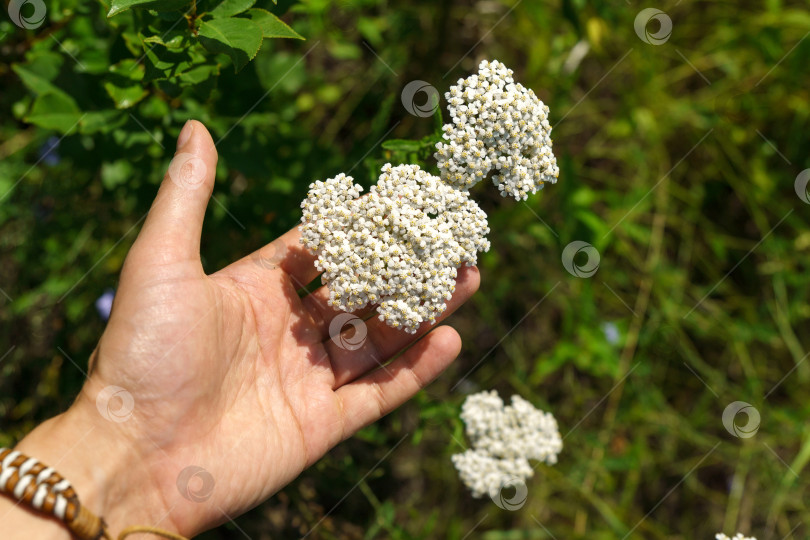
x: 185, y: 134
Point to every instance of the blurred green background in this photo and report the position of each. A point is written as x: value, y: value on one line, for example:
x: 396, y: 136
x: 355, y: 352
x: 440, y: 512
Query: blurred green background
x: 678, y: 164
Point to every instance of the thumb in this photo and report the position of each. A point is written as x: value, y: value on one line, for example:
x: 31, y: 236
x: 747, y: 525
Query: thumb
x: 172, y: 229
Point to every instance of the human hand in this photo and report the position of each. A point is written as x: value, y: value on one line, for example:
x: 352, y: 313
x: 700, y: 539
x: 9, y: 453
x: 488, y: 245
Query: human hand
x: 232, y: 372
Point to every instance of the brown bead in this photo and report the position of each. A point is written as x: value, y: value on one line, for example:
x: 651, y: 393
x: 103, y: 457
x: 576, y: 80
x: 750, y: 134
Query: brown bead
x: 49, y: 502
x: 12, y: 481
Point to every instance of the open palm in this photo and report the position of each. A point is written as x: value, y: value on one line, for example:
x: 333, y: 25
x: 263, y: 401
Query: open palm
x: 224, y: 387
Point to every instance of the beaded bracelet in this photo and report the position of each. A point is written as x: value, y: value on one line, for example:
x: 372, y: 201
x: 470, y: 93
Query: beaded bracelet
x: 40, y: 487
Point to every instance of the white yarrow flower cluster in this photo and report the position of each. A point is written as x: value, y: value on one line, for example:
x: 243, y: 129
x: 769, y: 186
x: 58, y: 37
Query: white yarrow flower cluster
x: 504, y: 439
x: 738, y: 536
x: 498, y: 126
x: 399, y: 246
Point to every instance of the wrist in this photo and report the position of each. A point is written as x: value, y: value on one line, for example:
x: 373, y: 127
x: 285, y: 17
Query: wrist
x: 107, y: 471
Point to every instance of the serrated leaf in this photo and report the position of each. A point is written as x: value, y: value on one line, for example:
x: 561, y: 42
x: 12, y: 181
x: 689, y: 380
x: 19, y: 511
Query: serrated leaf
x: 119, y: 6
x: 55, y: 111
x: 272, y: 26
x: 229, y: 8
x: 239, y: 38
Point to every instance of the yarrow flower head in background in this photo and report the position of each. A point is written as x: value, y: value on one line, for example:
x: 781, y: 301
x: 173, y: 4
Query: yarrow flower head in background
x: 504, y: 439
x: 738, y: 536
x: 498, y: 126
x: 401, y: 245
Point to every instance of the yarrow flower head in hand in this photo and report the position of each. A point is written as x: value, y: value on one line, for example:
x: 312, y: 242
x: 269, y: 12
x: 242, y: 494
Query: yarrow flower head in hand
x: 738, y: 536
x: 499, y: 126
x: 504, y: 439
x: 400, y: 246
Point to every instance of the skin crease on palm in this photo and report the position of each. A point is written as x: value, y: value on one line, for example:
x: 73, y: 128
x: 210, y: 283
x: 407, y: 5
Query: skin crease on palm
x: 231, y: 372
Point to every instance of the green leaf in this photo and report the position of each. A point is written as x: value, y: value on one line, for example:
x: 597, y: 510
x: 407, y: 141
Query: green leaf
x: 116, y: 173
x: 125, y: 96
x: 124, y: 83
x: 101, y: 121
x: 438, y: 123
x: 45, y: 63
x: 39, y: 71
x: 199, y: 73
x: 136, y: 137
x: 272, y: 26
x: 55, y: 111
x: 161, y: 63
x: 370, y: 30
x: 119, y: 6
x: 133, y: 41
x: 430, y: 140
x: 33, y: 81
x: 237, y: 37
x: 173, y: 39
x: 228, y: 8
x: 402, y: 145
x: 154, y: 108
x: 129, y: 69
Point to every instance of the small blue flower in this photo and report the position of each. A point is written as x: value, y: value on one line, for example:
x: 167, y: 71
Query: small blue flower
x: 48, y: 153
x: 611, y: 332
x: 104, y: 304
